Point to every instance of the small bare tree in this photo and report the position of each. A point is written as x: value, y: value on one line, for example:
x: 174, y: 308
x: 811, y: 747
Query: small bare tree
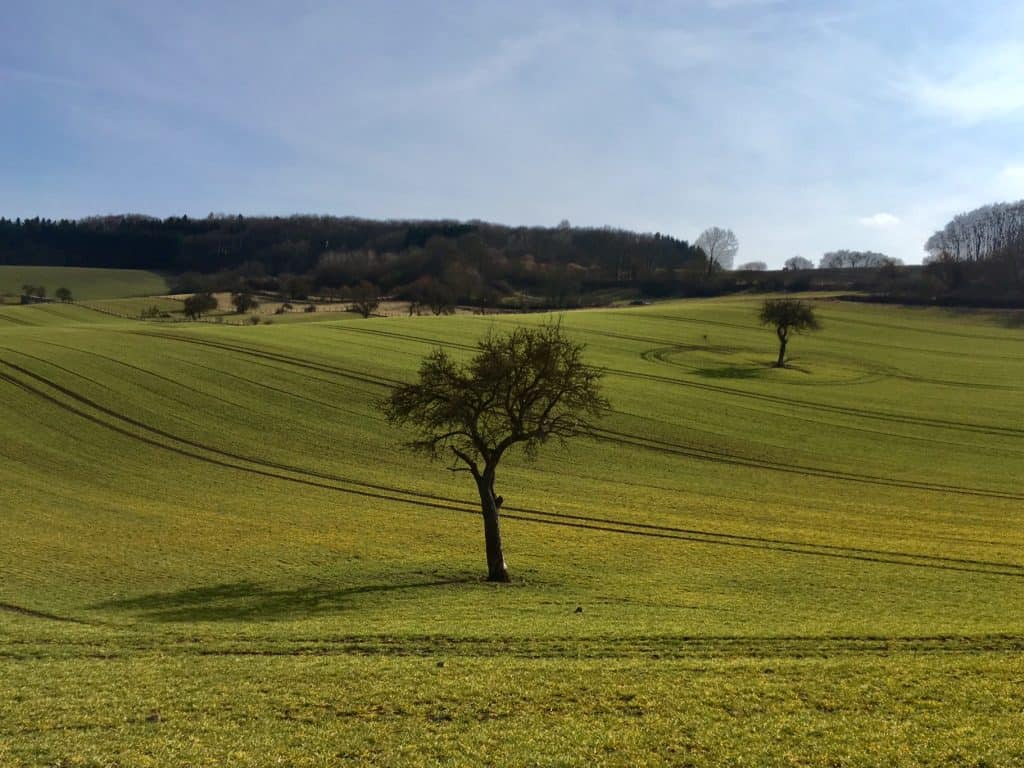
x: 243, y: 301
x: 788, y: 316
x: 365, y: 299
x: 198, y: 304
x: 519, y: 389
x: 720, y: 247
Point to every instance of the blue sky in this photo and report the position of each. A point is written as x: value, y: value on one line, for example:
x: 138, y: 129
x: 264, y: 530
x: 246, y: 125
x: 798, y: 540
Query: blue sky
x: 803, y: 126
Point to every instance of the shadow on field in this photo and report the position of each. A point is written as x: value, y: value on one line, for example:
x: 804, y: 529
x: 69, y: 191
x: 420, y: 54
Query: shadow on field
x: 733, y: 372
x: 246, y: 600
x: 1011, y: 319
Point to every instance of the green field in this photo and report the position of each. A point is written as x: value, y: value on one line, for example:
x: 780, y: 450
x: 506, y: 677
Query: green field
x: 214, y: 552
x: 84, y: 283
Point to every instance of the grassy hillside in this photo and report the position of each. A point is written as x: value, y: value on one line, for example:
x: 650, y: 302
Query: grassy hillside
x: 214, y: 549
x: 85, y: 284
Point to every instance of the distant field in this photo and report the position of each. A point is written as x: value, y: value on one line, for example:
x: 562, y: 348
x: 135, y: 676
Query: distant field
x: 84, y: 283
x: 213, y: 550
x: 134, y: 308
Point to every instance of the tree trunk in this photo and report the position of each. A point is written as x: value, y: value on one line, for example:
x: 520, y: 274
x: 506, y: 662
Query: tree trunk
x: 783, y: 339
x: 490, y: 506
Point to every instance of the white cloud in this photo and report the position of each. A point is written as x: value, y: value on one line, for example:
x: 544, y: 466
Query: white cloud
x: 1009, y: 184
x: 987, y: 87
x: 1013, y: 173
x: 880, y: 221
x: 724, y: 5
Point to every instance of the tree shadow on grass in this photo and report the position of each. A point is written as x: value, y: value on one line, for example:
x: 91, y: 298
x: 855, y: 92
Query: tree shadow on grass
x: 745, y: 371
x: 249, y: 601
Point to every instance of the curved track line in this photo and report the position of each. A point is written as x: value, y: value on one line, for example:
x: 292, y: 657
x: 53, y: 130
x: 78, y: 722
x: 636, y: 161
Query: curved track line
x: 709, y: 454
x: 524, y: 515
x: 923, y: 421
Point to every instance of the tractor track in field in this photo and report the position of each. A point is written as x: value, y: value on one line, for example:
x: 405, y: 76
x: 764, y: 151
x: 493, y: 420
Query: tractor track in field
x: 16, y: 321
x: 664, y: 356
x: 434, y: 646
x: 387, y: 493
x: 871, y: 375
x: 406, y: 336
x: 138, y: 369
x: 190, y: 453
x: 333, y: 407
x: 854, y: 342
x: 723, y: 457
x: 179, y: 384
x: 888, y: 416
x: 104, y: 386
x: 861, y: 413
x: 32, y: 613
x: 285, y: 369
x: 930, y: 331
x: 348, y: 373
x: 655, y: 647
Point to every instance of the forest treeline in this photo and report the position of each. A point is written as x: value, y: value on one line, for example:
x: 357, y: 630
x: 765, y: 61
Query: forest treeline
x: 472, y: 262
x: 977, y: 258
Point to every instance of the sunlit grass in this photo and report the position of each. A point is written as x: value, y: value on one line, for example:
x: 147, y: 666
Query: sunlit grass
x: 84, y: 283
x: 818, y: 565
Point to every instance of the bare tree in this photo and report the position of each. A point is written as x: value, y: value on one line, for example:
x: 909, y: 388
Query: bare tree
x: 977, y: 235
x: 243, y: 302
x: 365, y: 299
x: 720, y: 247
x: 752, y: 266
x: 798, y: 262
x: 847, y: 259
x: 198, y: 304
x: 519, y: 389
x: 788, y: 316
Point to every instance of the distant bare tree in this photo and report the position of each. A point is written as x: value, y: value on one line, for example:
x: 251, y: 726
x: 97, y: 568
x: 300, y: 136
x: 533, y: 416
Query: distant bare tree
x: 798, y: 262
x: 365, y: 299
x: 720, y: 247
x: 846, y: 259
x: 198, y: 304
x: 752, y: 266
x: 243, y: 302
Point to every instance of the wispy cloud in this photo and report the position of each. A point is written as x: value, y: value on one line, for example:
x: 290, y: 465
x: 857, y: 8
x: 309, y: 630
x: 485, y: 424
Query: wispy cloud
x: 40, y: 78
x: 1013, y: 173
x: 722, y: 5
x: 664, y: 116
x: 1010, y: 183
x: 987, y: 85
x: 879, y: 221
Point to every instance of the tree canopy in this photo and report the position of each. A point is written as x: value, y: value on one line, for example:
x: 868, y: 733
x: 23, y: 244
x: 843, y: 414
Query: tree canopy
x: 846, y: 259
x: 521, y: 389
x: 788, y: 316
x: 798, y: 262
x: 199, y: 304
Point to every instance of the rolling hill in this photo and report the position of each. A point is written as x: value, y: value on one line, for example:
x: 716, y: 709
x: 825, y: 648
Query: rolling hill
x: 215, y: 550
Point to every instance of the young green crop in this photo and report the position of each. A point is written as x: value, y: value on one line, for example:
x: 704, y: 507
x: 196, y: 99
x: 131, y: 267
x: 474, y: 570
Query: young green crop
x: 211, y: 551
x: 83, y: 283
